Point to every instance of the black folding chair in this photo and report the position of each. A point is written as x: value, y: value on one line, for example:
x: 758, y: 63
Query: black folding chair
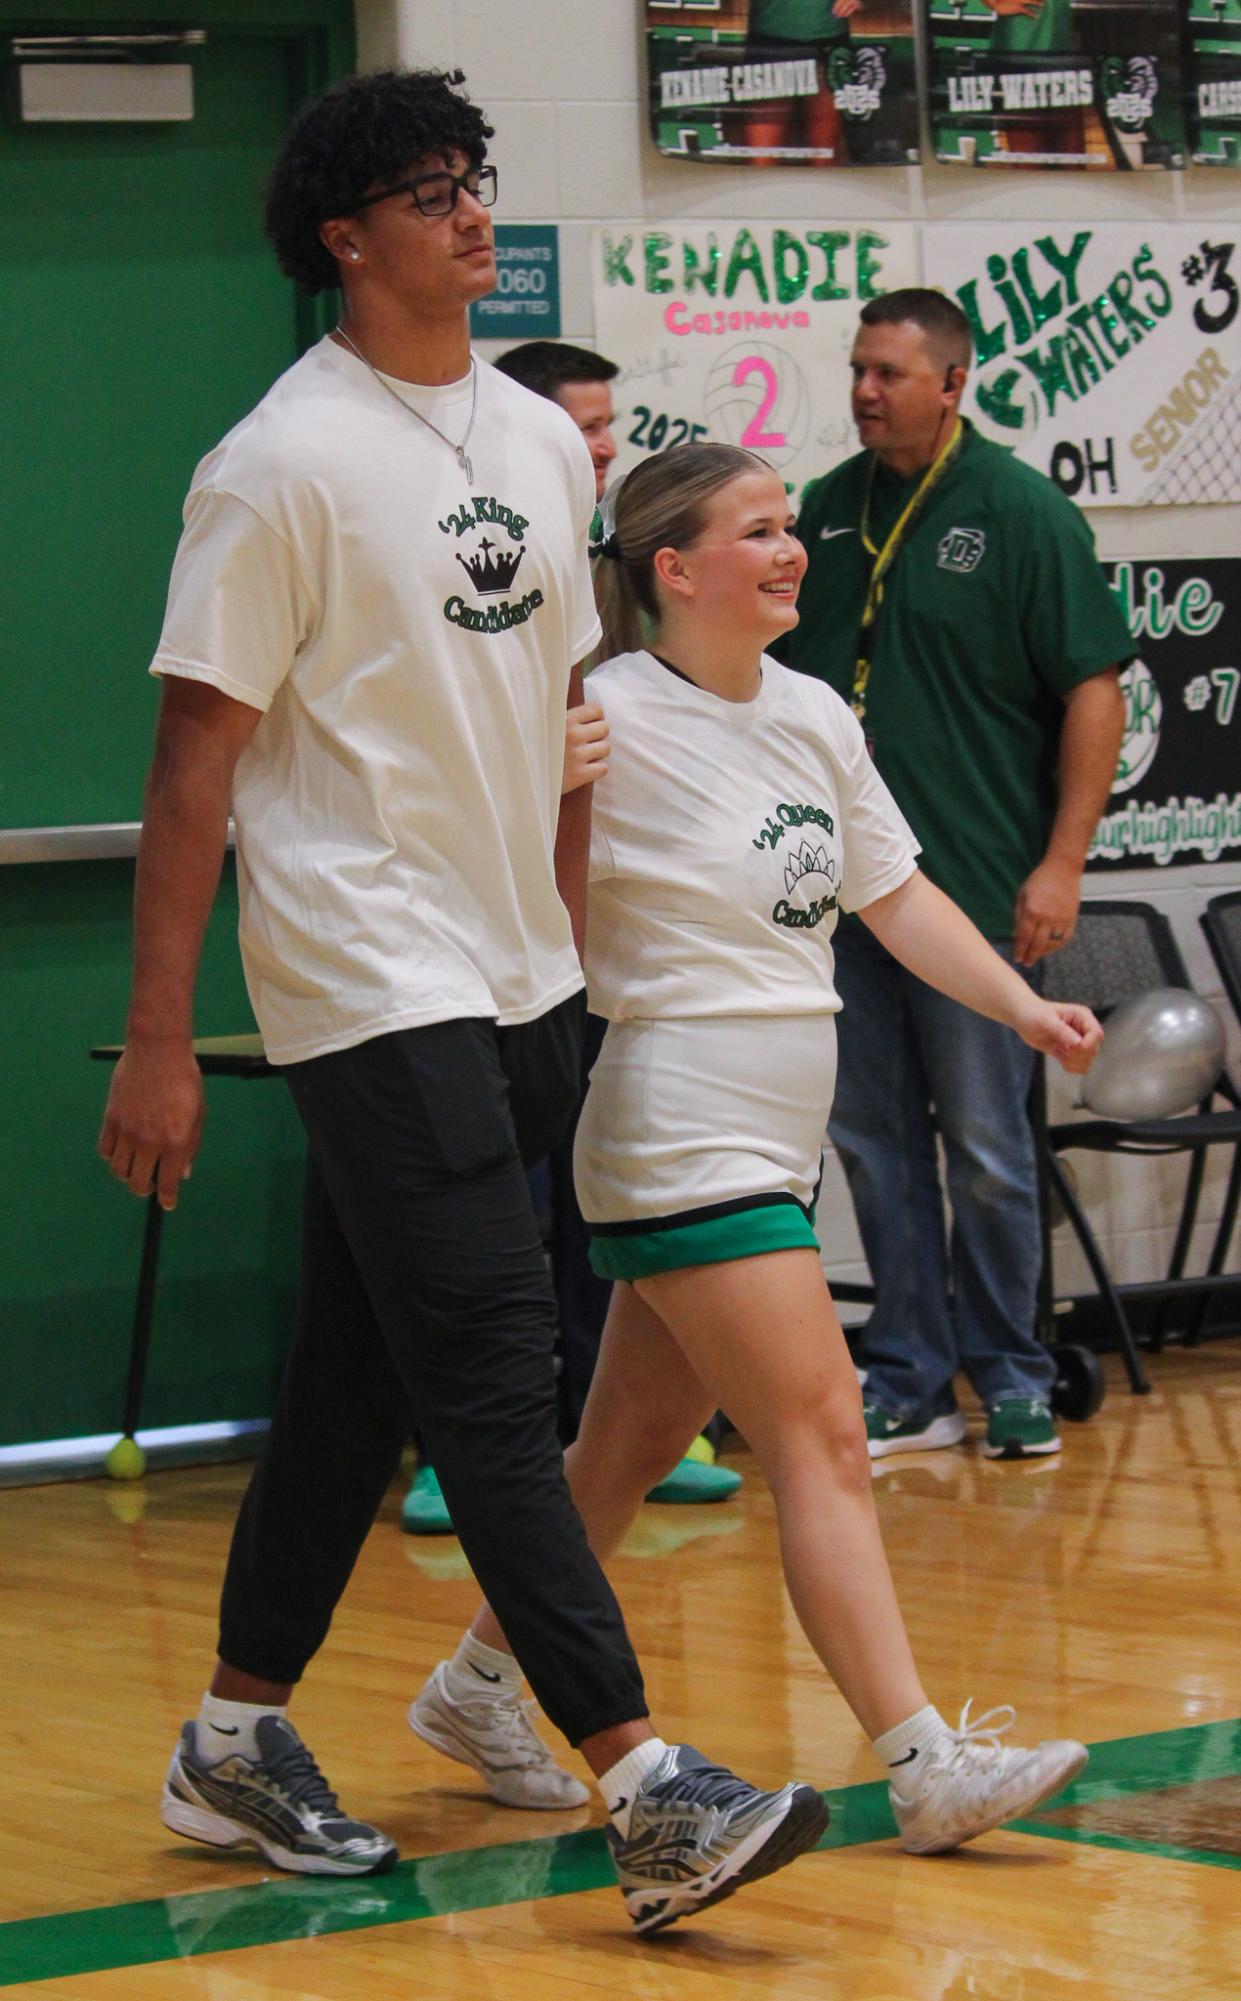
x: 1120, y: 950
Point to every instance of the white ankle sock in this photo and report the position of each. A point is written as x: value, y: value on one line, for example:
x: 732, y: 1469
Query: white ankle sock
x: 476, y: 1670
x: 225, y: 1727
x: 618, y: 1785
x: 909, y: 1744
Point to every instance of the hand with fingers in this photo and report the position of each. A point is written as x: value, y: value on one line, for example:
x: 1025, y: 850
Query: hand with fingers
x: 1046, y: 912
x: 585, y: 746
x: 153, y: 1121
x: 1063, y: 1029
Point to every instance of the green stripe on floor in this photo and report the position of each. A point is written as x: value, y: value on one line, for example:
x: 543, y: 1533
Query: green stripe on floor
x: 292, y: 1907
x: 296, y: 1907
x: 1139, y: 1793
x: 1169, y: 1851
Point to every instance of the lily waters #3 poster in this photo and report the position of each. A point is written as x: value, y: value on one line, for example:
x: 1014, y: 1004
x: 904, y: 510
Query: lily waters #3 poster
x: 1093, y: 84
x: 811, y: 83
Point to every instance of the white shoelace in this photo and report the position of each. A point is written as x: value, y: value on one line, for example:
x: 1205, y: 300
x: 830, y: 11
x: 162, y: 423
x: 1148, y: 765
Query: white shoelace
x: 979, y: 1742
x: 506, y: 1723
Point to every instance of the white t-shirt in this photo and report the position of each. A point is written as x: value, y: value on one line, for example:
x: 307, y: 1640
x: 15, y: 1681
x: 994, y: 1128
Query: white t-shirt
x: 725, y: 836
x: 408, y: 635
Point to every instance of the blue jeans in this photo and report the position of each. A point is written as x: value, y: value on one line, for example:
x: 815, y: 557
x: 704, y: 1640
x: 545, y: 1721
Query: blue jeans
x: 968, y: 1303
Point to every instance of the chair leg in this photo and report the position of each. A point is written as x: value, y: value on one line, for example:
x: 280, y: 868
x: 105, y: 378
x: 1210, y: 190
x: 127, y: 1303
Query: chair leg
x: 144, y: 1313
x: 1045, y: 1306
x: 1085, y: 1237
x: 1219, y: 1250
x: 1180, y: 1248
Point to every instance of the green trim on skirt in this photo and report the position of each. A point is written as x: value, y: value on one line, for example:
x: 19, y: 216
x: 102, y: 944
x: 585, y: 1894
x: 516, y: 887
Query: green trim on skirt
x: 782, y: 1226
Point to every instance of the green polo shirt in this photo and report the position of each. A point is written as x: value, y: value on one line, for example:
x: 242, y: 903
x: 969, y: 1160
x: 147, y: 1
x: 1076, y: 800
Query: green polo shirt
x: 994, y: 608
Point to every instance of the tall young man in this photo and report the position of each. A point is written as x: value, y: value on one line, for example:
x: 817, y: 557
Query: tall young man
x: 373, y: 613
x: 953, y: 596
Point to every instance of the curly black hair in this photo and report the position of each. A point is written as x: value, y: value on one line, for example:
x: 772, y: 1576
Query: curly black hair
x: 368, y: 129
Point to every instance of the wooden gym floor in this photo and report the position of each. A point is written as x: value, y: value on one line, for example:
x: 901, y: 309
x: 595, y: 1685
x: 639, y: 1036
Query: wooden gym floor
x: 1098, y: 1593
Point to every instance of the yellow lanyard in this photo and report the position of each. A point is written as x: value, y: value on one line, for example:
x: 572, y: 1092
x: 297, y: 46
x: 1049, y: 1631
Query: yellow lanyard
x: 885, y: 557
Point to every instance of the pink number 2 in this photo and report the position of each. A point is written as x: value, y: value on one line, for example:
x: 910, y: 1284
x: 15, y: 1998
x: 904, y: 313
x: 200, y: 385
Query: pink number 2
x: 754, y: 437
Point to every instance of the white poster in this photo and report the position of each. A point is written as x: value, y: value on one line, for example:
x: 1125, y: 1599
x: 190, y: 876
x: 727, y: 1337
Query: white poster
x: 1108, y: 357
x: 740, y: 332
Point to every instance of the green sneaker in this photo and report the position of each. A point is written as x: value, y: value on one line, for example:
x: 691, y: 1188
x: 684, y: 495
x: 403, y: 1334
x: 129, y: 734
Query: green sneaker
x: 886, y: 1434
x: 696, y: 1480
x: 1020, y: 1428
x: 424, y: 1510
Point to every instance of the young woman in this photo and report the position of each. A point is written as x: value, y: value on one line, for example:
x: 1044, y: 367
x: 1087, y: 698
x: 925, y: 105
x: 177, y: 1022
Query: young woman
x: 741, y: 813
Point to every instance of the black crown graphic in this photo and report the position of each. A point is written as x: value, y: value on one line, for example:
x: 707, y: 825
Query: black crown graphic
x: 808, y: 861
x: 491, y: 574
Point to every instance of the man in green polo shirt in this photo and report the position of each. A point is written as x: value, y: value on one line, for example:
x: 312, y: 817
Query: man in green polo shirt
x: 953, y: 596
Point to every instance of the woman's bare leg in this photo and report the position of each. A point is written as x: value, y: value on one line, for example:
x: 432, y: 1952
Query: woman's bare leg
x: 644, y: 1409
x: 762, y: 1337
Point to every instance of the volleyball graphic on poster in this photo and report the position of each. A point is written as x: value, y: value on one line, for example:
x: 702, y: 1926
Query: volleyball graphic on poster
x: 756, y: 396
x: 1143, y: 715
x: 1176, y: 797
x: 740, y: 332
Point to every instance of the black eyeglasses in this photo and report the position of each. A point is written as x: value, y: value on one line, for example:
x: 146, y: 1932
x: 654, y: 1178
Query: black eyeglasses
x: 436, y: 194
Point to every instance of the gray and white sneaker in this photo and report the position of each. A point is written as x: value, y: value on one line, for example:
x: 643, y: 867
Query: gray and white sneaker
x: 978, y: 1783
x: 279, y: 1802
x: 698, y: 1833
x: 494, y: 1734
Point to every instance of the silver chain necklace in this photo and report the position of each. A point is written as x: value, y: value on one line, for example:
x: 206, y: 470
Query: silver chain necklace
x: 463, y: 458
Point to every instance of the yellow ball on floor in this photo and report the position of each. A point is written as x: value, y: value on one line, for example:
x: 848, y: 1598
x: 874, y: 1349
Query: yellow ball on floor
x: 126, y: 1460
x: 702, y: 1450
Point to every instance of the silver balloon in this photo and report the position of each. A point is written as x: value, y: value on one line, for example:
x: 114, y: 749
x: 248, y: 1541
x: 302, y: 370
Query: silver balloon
x: 1162, y: 1051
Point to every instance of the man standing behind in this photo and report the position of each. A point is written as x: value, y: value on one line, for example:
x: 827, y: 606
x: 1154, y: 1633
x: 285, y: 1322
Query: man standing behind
x: 954, y: 598
x: 580, y: 382
x: 373, y: 614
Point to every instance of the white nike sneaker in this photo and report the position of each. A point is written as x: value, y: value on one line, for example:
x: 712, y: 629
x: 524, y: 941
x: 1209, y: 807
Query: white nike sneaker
x: 494, y: 1734
x: 977, y: 1783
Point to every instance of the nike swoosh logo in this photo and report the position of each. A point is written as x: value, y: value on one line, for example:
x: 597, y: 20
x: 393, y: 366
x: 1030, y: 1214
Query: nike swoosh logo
x: 622, y: 1802
x: 906, y: 1760
x: 828, y: 534
x: 482, y: 1673
x: 227, y: 1729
